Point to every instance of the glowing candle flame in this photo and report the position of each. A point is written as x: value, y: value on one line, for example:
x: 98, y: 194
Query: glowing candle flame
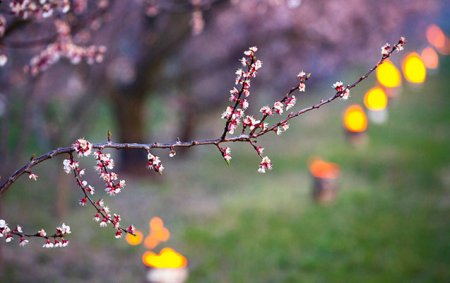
x: 355, y: 119
x: 388, y: 75
x: 167, y: 258
x: 430, y: 58
x: 414, y: 69
x: 375, y: 99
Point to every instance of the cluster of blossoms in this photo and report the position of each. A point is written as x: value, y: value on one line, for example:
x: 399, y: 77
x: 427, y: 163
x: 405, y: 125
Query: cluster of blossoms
x: 104, y: 216
x: 343, y: 92
x: 154, y: 163
x: 64, y: 47
x: 38, y: 9
x: 303, y: 77
x: 234, y: 114
x: 386, y: 49
x: 104, y: 164
x: 56, y: 240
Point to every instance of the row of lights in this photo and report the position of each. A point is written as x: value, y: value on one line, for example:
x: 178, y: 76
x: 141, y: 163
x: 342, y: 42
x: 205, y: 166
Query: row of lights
x: 325, y: 175
x: 389, y: 77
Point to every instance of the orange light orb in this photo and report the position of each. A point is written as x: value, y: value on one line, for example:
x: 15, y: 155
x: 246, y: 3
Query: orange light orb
x: 355, y: 119
x: 324, y: 169
x: 134, y: 240
x: 388, y: 75
x: 375, y: 99
x: 414, y: 69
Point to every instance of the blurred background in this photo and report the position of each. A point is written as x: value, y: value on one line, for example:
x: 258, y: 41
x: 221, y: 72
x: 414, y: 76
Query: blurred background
x: 166, y: 74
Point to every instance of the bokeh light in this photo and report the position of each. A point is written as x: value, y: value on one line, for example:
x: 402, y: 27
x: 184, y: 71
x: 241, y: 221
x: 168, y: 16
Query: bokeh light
x: 436, y: 36
x: 355, y: 119
x: 136, y: 239
x: 375, y: 99
x: 323, y: 169
x: 167, y: 258
x: 388, y: 75
x: 430, y: 58
x: 414, y: 69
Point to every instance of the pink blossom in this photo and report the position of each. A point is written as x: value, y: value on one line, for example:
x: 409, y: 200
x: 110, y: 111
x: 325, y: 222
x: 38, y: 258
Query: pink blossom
x: 131, y: 229
x: 97, y: 217
x: 266, y: 110
x: 9, y: 237
x: 250, y: 122
x: 234, y: 94
x: 83, y: 201
x: 69, y: 165
x: 18, y: 229
x: 345, y: 94
x: 100, y: 203
x: 259, y: 150
x: 401, y: 43
x: 278, y: 107
x: 338, y: 86
x: 251, y: 51
x: 154, y: 163
x: 302, y: 87
x: 63, y: 229
x: 301, y: 75
x: 64, y: 242
x: 104, y: 223
x: 385, y: 49
x: 228, y: 112
x: 226, y: 153
x: 282, y: 128
x: 257, y: 65
x: 90, y: 189
x: 243, y: 61
x: 244, y: 104
x: 22, y: 241
x: 265, y: 165
x: 48, y: 244
x: 42, y: 233
x: 290, y: 102
x: 82, y: 147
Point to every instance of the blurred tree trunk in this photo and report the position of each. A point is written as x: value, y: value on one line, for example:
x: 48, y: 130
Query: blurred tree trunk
x: 129, y: 112
x: 168, y: 34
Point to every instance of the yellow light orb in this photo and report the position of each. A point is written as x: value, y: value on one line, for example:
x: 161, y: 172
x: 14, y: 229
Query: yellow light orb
x: 355, y: 119
x: 388, y: 75
x: 430, y: 58
x: 375, y: 99
x: 414, y: 69
x: 134, y: 240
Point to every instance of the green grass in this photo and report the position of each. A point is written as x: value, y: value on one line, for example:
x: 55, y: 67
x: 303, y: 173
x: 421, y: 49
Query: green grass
x: 390, y: 222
